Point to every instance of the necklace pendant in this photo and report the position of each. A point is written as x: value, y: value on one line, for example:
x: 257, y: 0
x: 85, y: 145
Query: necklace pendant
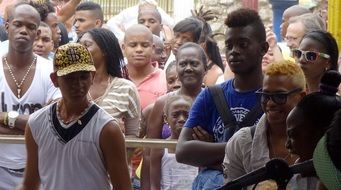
x: 79, y: 122
x: 18, y: 90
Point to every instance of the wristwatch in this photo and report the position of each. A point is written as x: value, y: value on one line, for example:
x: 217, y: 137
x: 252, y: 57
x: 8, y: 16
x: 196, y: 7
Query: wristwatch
x: 12, y: 117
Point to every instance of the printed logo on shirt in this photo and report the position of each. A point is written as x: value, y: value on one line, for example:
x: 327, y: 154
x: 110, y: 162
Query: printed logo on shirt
x: 220, y: 133
x: 239, y: 113
x: 27, y: 108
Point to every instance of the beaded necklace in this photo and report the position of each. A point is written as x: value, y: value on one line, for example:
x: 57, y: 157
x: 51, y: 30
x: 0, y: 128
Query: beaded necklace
x: 23, y: 79
x: 59, y: 104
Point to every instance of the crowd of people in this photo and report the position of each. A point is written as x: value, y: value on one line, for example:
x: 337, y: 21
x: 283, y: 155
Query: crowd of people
x: 76, y: 86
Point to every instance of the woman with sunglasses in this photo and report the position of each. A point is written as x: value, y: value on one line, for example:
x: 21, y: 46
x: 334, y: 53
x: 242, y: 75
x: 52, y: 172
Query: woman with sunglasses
x: 317, y: 53
x: 283, y: 87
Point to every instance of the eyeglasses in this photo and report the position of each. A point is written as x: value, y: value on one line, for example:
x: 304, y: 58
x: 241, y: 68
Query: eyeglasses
x: 279, y: 98
x: 309, y: 55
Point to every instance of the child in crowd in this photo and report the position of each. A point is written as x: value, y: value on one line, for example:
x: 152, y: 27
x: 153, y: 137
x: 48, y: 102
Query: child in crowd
x: 312, y: 116
x: 308, y: 122
x: 173, y: 84
x: 43, y: 44
x: 172, y: 79
x: 166, y: 172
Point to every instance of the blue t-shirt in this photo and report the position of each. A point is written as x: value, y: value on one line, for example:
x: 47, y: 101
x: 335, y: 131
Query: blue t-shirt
x: 205, y: 114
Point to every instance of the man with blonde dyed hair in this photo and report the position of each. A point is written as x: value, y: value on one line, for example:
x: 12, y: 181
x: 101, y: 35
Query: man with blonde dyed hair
x: 251, y: 147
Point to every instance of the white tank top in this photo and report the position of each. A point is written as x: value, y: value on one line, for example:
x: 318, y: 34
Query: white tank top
x: 38, y: 94
x: 175, y: 175
x: 74, y: 164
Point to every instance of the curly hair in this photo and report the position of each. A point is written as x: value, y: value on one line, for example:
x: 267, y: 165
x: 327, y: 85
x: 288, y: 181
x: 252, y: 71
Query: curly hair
x: 44, y: 8
x: 247, y: 17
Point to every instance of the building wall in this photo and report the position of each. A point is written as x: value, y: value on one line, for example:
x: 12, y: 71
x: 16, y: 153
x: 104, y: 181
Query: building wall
x: 222, y: 7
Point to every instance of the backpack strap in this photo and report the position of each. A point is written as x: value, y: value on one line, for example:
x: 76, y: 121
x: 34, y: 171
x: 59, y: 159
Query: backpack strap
x: 222, y: 106
x: 252, y: 131
x: 252, y: 116
x: 225, y: 113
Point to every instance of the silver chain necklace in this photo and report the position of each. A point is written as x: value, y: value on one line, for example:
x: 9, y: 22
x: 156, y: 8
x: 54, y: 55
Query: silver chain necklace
x: 23, y: 79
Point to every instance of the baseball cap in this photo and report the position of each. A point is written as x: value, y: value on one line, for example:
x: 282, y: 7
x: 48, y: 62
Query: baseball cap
x: 72, y: 57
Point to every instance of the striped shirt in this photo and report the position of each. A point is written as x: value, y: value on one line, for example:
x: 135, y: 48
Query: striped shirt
x: 121, y: 100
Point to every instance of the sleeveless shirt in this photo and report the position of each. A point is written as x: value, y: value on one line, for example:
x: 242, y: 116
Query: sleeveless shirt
x: 76, y: 163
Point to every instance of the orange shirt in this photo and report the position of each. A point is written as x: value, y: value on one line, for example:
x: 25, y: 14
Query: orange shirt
x: 153, y: 86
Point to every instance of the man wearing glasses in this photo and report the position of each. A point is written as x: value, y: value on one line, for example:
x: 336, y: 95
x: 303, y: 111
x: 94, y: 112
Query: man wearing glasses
x: 283, y: 87
x: 300, y: 25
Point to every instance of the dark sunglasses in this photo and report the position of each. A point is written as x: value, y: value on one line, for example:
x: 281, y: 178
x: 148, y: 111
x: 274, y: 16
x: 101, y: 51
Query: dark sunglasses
x: 309, y: 55
x: 279, y: 98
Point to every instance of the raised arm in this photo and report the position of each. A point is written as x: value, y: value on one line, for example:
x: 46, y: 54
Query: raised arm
x: 31, y: 177
x: 271, y: 39
x: 114, y: 152
x: 68, y: 10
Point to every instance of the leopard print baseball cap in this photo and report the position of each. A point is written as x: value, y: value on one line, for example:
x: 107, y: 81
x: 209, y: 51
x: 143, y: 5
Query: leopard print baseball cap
x: 72, y: 57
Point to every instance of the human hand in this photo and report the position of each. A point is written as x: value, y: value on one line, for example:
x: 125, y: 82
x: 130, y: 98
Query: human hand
x: 200, y: 134
x: 271, y: 37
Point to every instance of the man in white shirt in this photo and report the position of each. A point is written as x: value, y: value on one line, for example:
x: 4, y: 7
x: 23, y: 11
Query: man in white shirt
x: 24, y: 88
x: 128, y: 17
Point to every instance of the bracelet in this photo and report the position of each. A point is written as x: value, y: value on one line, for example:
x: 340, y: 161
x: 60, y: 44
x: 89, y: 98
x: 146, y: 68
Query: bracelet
x: 5, y: 118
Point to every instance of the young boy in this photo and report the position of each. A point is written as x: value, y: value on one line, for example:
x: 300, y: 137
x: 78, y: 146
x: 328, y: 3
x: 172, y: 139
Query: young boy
x: 43, y: 44
x: 138, y: 48
x: 165, y: 171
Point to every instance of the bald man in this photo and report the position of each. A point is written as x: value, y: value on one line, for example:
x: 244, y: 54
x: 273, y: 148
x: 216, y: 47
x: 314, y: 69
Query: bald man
x: 301, y: 25
x: 292, y: 11
x: 138, y: 48
x: 151, y: 82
